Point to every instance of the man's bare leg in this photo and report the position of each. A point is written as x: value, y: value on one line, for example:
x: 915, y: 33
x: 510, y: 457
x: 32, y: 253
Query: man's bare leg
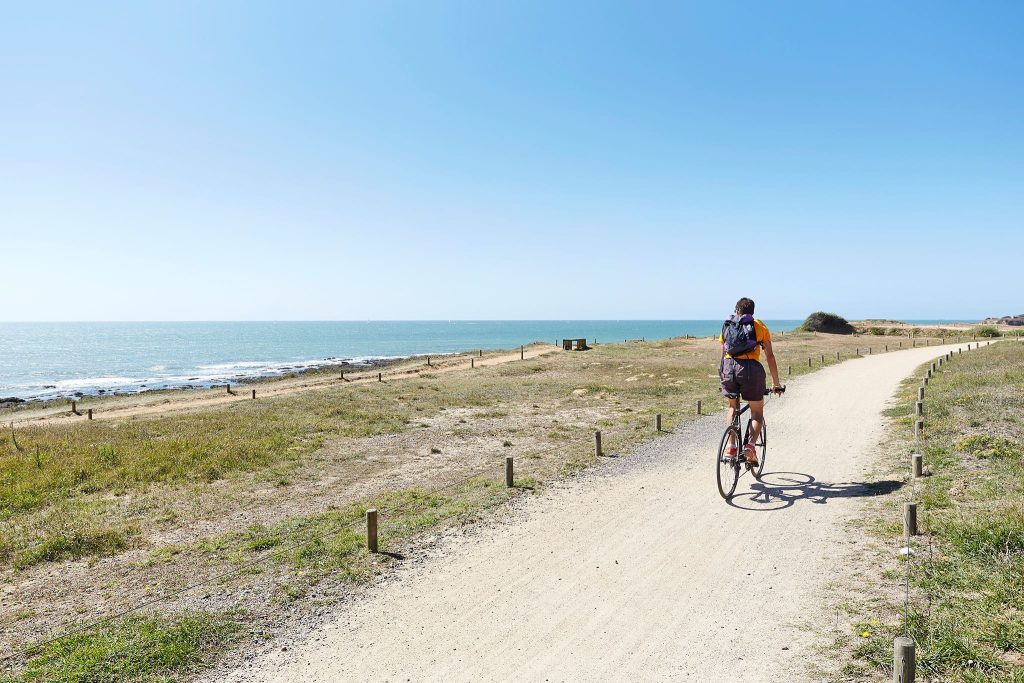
x: 756, y: 420
x: 734, y: 405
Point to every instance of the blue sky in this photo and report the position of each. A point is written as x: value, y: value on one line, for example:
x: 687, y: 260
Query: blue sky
x: 422, y: 160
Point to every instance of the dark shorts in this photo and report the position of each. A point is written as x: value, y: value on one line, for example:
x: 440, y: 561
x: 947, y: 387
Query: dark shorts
x: 743, y: 378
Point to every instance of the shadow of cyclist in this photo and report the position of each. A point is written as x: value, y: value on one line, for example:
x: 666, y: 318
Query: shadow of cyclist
x: 780, y: 490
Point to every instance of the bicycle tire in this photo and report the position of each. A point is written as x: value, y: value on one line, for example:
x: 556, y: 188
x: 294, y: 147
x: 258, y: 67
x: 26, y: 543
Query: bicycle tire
x: 727, y: 473
x: 761, y: 447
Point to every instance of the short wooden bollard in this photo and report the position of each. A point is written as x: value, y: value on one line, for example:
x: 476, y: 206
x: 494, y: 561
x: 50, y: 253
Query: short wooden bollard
x: 74, y: 408
x: 790, y: 370
x: 481, y: 352
x: 89, y: 414
x: 870, y: 351
x: 380, y: 376
x: 597, y: 443
x: 904, y: 662
x: 920, y: 393
x: 508, y: 471
x: 522, y: 353
x: 698, y: 406
x: 918, y: 428
x: 910, y: 519
x: 960, y: 351
x: 926, y: 378
x: 886, y: 348
x: 917, y: 460
x: 472, y: 362
x: 228, y: 387
x: 914, y: 343
x: 657, y: 422
x: 254, y: 394
x: 822, y: 359
x: 919, y: 408
x: 808, y: 361
x: 343, y: 375
x: 371, y: 530
x: 837, y: 355
x: 428, y: 360
x: 901, y: 345
x: 928, y: 374
x: 941, y: 359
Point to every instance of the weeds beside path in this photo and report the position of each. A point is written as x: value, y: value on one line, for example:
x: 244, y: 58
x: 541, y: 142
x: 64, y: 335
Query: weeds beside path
x: 100, y: 516
x: 966, y: 600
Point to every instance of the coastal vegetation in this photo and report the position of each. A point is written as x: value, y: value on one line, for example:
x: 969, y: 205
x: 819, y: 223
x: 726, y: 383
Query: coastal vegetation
x: 966, y: 577
x: 829, y: 323
x: 261, y: 502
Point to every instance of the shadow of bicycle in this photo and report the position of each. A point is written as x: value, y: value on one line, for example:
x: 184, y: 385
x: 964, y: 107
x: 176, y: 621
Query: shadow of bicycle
x: 780, y: 490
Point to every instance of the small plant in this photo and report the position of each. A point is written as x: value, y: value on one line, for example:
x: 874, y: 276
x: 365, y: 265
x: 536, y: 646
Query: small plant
x: 435, y: 450
x: 507, y: 444
x: 829, y: 323
x: 987, y: 331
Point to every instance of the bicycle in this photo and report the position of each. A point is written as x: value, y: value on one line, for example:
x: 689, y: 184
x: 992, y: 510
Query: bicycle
x: 728, y: 468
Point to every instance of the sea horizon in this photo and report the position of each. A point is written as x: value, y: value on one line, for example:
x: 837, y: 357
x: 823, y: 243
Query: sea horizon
x: 52, y: 360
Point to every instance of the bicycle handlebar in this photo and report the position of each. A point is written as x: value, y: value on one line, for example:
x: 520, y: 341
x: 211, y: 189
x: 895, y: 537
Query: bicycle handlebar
x: 782, y: 390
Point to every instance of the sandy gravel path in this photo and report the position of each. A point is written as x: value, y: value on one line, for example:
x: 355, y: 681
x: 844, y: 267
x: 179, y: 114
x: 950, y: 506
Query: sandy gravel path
x: 639, y: 571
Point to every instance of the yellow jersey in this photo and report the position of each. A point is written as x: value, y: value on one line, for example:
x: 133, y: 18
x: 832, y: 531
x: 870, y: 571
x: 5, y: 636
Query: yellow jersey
x: 761, y: 333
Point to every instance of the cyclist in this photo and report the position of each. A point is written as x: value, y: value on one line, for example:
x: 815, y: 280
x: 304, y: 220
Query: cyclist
x: 743, y: 336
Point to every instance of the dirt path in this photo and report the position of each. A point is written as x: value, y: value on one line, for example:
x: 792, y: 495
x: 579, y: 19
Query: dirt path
x: 119, y: 407
x: 638, y: 572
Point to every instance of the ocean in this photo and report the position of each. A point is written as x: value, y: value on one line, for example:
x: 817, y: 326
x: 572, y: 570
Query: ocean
x: 53, y: 360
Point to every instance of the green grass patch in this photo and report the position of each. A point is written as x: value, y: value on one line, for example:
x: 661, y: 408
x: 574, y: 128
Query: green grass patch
x: 968, y: 579
x: 138, y: 648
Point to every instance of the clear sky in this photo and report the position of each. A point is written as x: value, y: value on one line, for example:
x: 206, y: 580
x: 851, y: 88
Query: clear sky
x: 477, y: 160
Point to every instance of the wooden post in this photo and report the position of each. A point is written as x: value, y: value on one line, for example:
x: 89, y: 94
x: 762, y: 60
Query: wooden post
x: 920, y: 393
x: 918, y: 428
x: 481, y: 352
x: 910, y: 519
x: 822, y: 359
x: 914, y: 343
x: 919, y: 408
x: 254, y: 394
x: 837, y: 355
x: 380, y: 376
x: 926, y: 380
x: 228, y: 387
x: 90, y: 413
x: 472, y: 362
x: 342, y: 375
x: 74, y: 407
x: 698, y: 406
x: 597, y: 443
x: 929, y: 374
x: 870, y: 351
x: 508, y: 471
x: 901, y: 344
x: 808, y: 361
x: 918, y: 462
x: 657, y: 422
x: 371, y: 530
x: 428, y: 360
x: 904, y: 663
x: 887, y: 348
x: 790, y: 370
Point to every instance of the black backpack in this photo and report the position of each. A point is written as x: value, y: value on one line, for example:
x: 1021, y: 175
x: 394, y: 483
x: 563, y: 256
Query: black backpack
x: 739, y: 335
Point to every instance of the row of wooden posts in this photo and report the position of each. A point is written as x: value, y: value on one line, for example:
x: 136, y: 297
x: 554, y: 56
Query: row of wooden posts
x: 904, y: 647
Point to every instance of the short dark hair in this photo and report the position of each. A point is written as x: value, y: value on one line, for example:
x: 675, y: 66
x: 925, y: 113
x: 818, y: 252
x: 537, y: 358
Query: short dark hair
x: 745, y: 306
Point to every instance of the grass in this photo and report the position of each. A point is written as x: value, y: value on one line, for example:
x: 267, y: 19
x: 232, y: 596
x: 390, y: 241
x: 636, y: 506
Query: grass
x: 138, y: 648
x: 101, y: 488
x: 968, y: 578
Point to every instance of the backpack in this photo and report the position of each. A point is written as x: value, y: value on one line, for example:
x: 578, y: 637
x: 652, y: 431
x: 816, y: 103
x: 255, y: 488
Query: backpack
x: 739, y: 335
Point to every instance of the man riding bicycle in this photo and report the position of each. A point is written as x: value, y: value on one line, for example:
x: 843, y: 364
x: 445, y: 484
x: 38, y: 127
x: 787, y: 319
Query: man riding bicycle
x: 742, y: 374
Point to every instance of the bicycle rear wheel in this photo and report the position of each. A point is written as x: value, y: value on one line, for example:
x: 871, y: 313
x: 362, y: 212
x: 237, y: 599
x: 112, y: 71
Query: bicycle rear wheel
x: 727, y: 469
x: 761, y: 445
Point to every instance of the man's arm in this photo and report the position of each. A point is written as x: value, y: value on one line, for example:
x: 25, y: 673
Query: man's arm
x: 769, y: 355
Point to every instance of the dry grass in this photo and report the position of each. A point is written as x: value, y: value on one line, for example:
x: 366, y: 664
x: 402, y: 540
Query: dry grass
x: 112, y: 512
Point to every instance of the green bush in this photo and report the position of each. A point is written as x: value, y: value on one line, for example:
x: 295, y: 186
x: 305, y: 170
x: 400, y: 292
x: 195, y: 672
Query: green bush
x: 987, y: 331
x: 877, y: 331
x: 827, y: 322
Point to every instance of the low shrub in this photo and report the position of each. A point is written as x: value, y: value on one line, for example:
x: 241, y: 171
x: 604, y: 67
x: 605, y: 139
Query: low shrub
x: 829, y: 323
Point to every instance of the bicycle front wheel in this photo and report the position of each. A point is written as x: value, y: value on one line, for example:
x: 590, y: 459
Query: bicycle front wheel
x: 761, y: 445
x: 727, y: 468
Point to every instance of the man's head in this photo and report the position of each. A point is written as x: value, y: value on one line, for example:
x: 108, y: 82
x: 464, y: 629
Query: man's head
x: 745, y: 306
